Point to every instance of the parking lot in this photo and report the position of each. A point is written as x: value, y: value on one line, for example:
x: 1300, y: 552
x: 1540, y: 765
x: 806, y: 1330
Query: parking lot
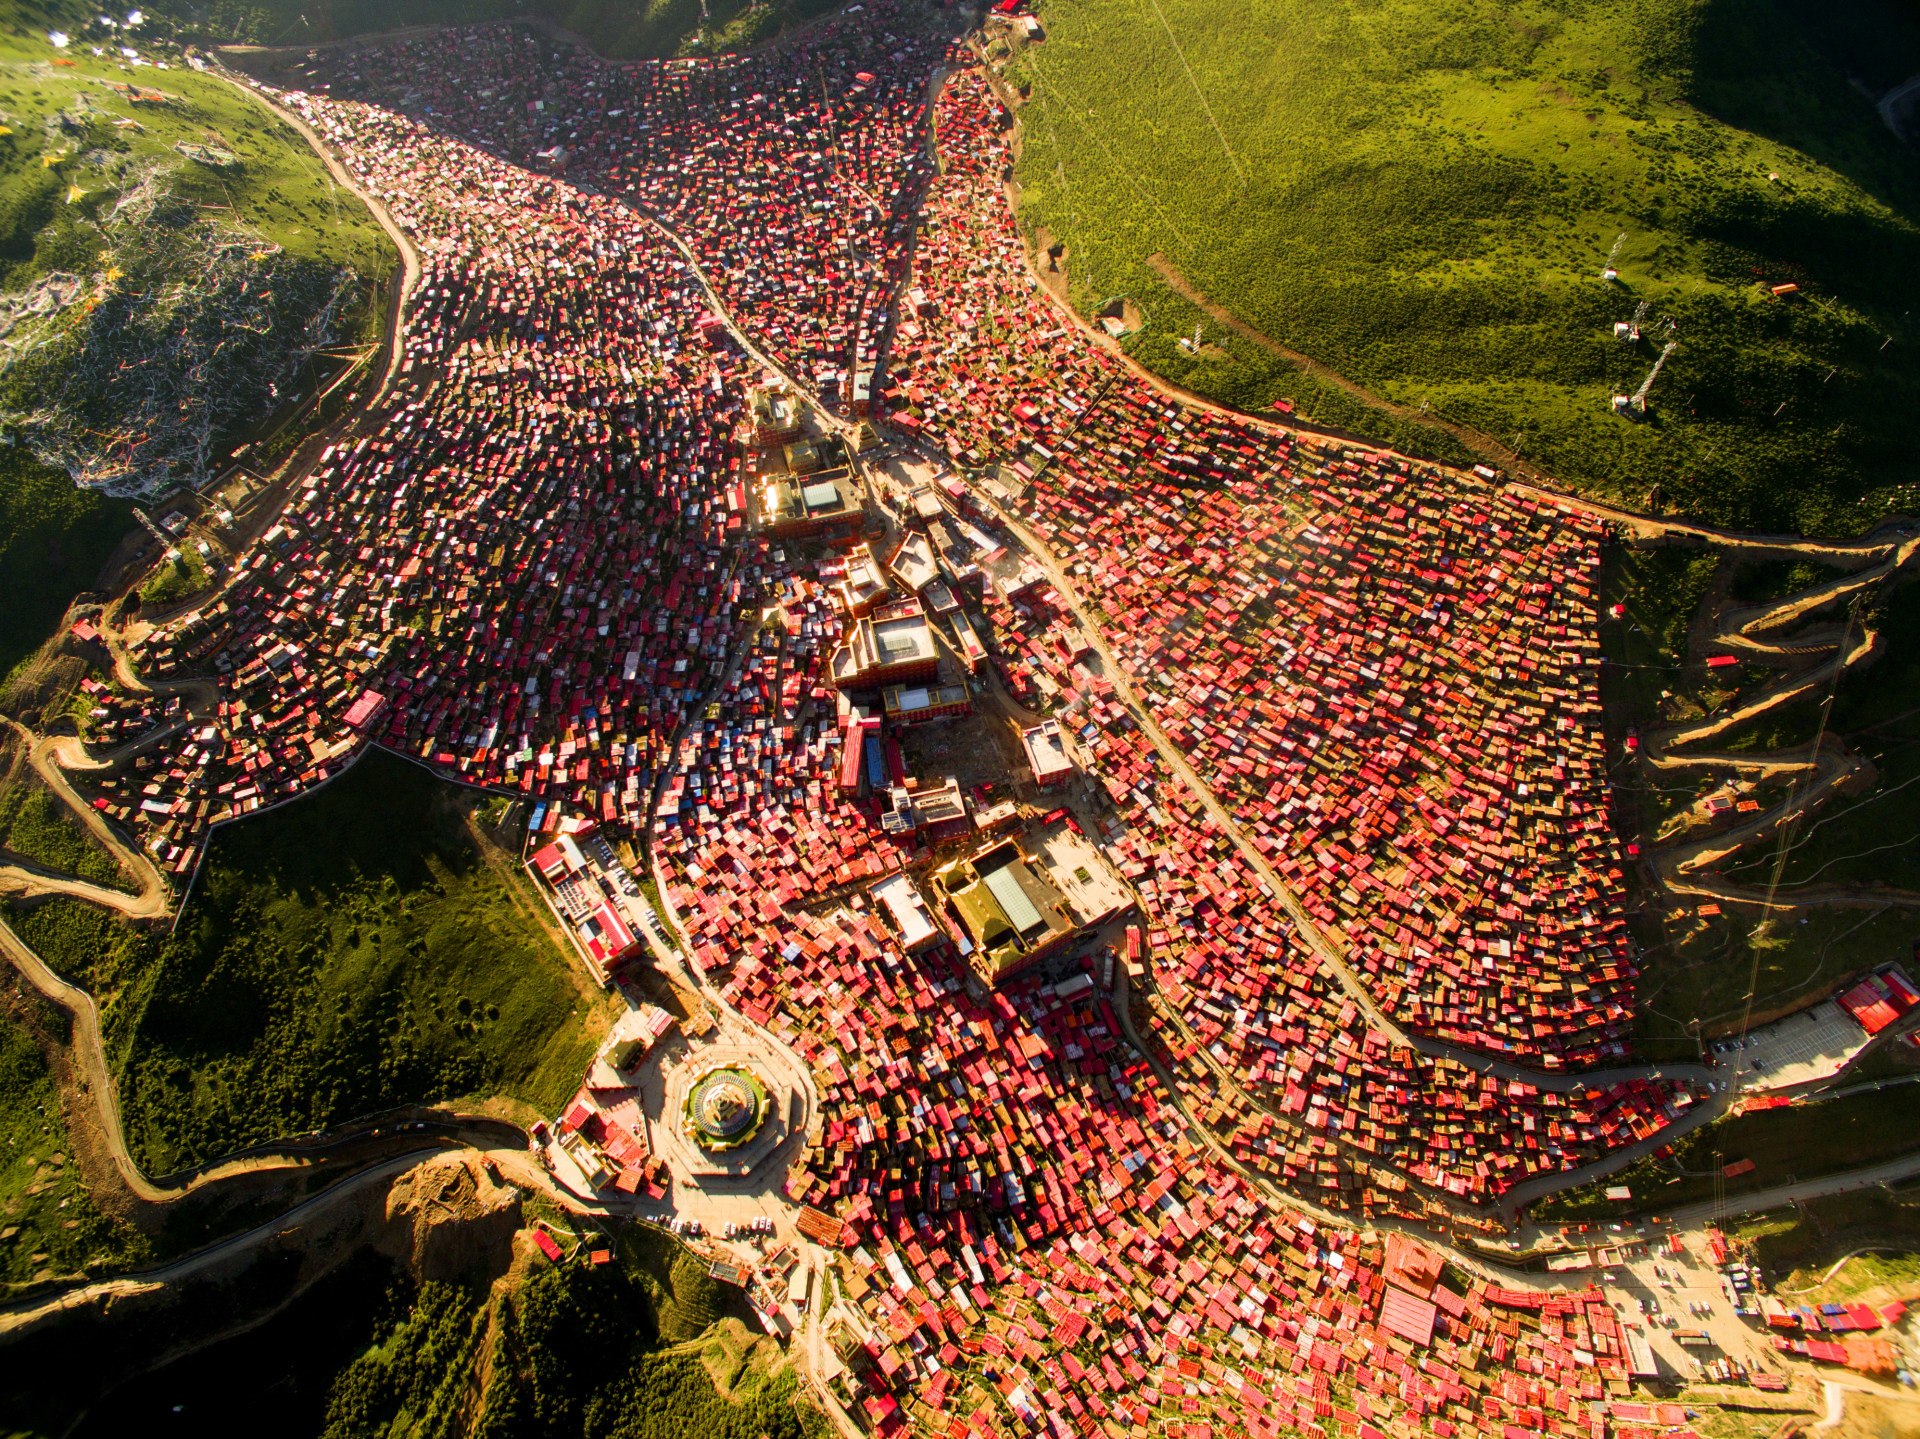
x: 1803, y: 1048
x: 1659, y: 1293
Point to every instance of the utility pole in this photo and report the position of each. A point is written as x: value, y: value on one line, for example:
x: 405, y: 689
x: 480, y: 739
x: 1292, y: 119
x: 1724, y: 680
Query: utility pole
x: 1607, y: 272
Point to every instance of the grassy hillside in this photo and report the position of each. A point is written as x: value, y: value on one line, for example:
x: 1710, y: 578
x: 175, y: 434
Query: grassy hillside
x: 1800, y: 1245
x: 53, y: 540
x: 579, y: 1353
x: 338, y: 957
x: 177, y: 270
x: 342, y: 955
x: 36, y: 825
x: 96, y: 951
x: 1786, y: 1145
x: 61, y: 106
x: 149, y: 303
x: 48, y: 1224
x: 1423, y: 198
x: 1701, y: 967
x: 613, y: 27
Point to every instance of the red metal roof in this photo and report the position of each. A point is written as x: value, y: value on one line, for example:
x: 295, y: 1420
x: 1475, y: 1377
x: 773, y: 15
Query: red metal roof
x: 1407, y: 1315
x: 1866, y: 1003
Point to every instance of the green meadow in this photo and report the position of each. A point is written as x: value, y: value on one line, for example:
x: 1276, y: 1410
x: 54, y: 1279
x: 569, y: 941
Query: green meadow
x: 1424, y: 197
x: 348, y: 953
x: 105, y: 214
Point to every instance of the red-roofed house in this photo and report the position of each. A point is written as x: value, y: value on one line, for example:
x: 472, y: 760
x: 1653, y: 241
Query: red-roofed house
x: 607, y: 937
x: 365, y: 709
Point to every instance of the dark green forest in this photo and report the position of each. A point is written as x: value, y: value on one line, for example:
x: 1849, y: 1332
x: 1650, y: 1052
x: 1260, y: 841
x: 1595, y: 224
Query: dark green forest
x: 570, y: 1352
x: 660, y: 29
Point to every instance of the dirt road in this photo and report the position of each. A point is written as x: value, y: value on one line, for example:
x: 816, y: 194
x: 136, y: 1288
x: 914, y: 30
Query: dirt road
x: 1483, y: 445
x: 49, y: 753
x: 1892, y: 1171
x: 1707, y: 1106
x: 1817, y: 771
x: 149, y: 903
x: 513, y: 1162
x: 1531, y: 478
x: 95, y: 1084
x: 409, y: 256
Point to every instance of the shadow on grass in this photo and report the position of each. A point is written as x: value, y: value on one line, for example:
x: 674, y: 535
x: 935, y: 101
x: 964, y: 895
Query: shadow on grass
x: 1807, y: 73
x: 341, y: 956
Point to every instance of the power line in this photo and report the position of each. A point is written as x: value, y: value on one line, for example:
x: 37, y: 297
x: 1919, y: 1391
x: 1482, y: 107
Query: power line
x: 1780, y: 858
x: 1074, y: 105
x: 1225, y: 148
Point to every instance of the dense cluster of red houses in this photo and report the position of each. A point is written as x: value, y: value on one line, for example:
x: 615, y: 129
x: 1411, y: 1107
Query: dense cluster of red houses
x: 115, y: 717
x: 1391, y: 669
x: 527, y: 575
x: 790, y: 175
x: 1341, y: 1100
x: 541, y: 576
x: 1178, y: 1302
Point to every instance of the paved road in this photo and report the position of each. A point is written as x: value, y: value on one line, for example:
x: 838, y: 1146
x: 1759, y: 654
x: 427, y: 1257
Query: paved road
x: 1707, y: 1212
x: 1710, y: 1212
x: 1704, y: 1111
x: 1892, y: 1083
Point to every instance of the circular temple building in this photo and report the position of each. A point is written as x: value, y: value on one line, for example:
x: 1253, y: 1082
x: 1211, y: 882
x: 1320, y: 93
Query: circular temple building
x: 725, y: 1106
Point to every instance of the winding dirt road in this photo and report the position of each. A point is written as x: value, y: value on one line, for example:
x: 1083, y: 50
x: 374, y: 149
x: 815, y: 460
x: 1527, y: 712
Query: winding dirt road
x: 513, y: 1162
x: 96, y: 1083
x: 409, y: 256
x: 1817, y: 771
x: 152, y: 899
